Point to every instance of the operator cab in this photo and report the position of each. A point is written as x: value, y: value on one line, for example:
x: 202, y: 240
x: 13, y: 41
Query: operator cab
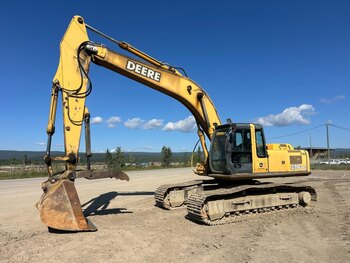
x: 231, y: 148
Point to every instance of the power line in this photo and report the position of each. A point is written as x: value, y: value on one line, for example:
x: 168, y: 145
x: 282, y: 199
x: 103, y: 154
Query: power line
x: 307, y: 130
x: 295, y: 133
x: 340, y: 127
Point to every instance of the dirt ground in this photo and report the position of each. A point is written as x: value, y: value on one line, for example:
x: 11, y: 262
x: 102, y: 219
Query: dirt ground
x: 132, y: 229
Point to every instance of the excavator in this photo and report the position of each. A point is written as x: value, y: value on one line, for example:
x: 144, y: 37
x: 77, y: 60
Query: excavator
x: 238, y: 156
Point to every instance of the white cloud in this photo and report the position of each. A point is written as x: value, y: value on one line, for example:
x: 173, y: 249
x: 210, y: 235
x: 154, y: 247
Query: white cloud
x: 96, y: 120
x: 111, y: 125
x: 111, y: 122
x: 134, y: 123
x: 186, y: 125
x: 114, y: 119
x: 153, y: 124
x: 41, y: 143
x: 138, y: 123
x: 332, y: 100
x: 289, y: 116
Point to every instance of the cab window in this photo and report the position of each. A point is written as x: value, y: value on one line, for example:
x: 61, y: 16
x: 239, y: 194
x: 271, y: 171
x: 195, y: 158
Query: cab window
x: 260, y: 144
x: 241, y: 147
x: 218, y: 157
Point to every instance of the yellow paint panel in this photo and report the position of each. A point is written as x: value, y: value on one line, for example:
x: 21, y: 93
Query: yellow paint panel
x: 68, y: 77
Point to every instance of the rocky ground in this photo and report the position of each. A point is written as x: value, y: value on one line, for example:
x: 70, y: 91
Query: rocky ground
x: 131, y: 228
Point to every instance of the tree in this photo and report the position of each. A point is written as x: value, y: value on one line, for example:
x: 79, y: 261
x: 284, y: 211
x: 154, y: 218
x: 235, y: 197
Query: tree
x: 198, y: 155
x: 119, y: 159
x: 109, y: 159
x: 185, y: 158
x: 26, y: 161
x: 166, y: 156
x: 117, y: 162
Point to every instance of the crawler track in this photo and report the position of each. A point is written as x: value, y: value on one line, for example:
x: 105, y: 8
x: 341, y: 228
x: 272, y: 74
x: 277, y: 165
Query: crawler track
x: 198, y: 204
x: 162, y: 194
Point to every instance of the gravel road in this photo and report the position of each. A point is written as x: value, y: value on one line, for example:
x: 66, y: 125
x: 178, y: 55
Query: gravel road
x: 132, y: 229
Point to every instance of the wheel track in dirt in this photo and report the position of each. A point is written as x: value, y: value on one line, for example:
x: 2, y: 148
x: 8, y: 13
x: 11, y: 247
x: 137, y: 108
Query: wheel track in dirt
x: 343, y: 208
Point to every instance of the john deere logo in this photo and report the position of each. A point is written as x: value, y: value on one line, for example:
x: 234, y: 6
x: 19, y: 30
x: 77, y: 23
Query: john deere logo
x: 143, y: 71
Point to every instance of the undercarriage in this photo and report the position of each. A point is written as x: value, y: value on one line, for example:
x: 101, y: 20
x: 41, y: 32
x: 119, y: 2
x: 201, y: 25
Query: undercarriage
x: 213, y: 202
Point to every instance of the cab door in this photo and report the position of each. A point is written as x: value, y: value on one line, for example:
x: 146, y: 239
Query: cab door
x: 259, y: 151
x: 239, y: 150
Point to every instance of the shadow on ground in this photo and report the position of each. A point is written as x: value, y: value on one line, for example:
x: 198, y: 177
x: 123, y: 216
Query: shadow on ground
x: 99, y: 205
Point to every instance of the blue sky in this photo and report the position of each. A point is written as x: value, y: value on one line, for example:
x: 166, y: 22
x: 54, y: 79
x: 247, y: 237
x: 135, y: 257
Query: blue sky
x: 285, y: 64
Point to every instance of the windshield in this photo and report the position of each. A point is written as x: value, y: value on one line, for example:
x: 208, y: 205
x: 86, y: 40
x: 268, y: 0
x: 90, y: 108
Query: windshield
x: 218, y: 153
x: 231, y: 150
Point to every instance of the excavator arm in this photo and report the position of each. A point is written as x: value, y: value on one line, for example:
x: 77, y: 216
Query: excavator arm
x: 59, y: 205
x: 181, y: 88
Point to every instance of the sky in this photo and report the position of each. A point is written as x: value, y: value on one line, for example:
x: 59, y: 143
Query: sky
x: 283, y: 64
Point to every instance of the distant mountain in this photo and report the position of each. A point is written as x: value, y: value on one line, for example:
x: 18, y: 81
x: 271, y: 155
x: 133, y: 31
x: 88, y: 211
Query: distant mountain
x: 37, y: 156
x: 19, y: 155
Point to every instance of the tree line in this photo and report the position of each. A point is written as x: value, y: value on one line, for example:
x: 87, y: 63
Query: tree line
x: 116, y: 160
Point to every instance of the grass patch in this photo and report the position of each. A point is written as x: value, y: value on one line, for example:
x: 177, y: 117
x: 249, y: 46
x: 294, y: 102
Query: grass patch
x: 35, y: 174
x: 21, y: 175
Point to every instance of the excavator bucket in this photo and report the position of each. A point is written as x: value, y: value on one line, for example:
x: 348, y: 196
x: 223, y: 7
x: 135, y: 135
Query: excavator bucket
x: 60, y: 208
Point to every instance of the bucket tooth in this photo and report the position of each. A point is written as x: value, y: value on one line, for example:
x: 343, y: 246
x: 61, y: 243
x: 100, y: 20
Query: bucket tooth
x: 60, y: 208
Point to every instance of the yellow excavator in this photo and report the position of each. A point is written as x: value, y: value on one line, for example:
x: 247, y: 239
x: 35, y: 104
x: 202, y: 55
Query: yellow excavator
x: 237, y: 157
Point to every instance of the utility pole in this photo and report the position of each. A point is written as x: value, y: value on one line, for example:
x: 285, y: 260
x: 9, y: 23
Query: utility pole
x: 310, y: 146
x: 328, y: 151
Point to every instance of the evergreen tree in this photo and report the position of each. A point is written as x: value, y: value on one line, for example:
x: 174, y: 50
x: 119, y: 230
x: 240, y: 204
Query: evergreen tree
x: 26, y: 161
x: 117, y: 162
x: 198, y: 155
x: 166, y: 156
x: 185, y: 158
x: 119, y: 159
x: 109, y: 159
